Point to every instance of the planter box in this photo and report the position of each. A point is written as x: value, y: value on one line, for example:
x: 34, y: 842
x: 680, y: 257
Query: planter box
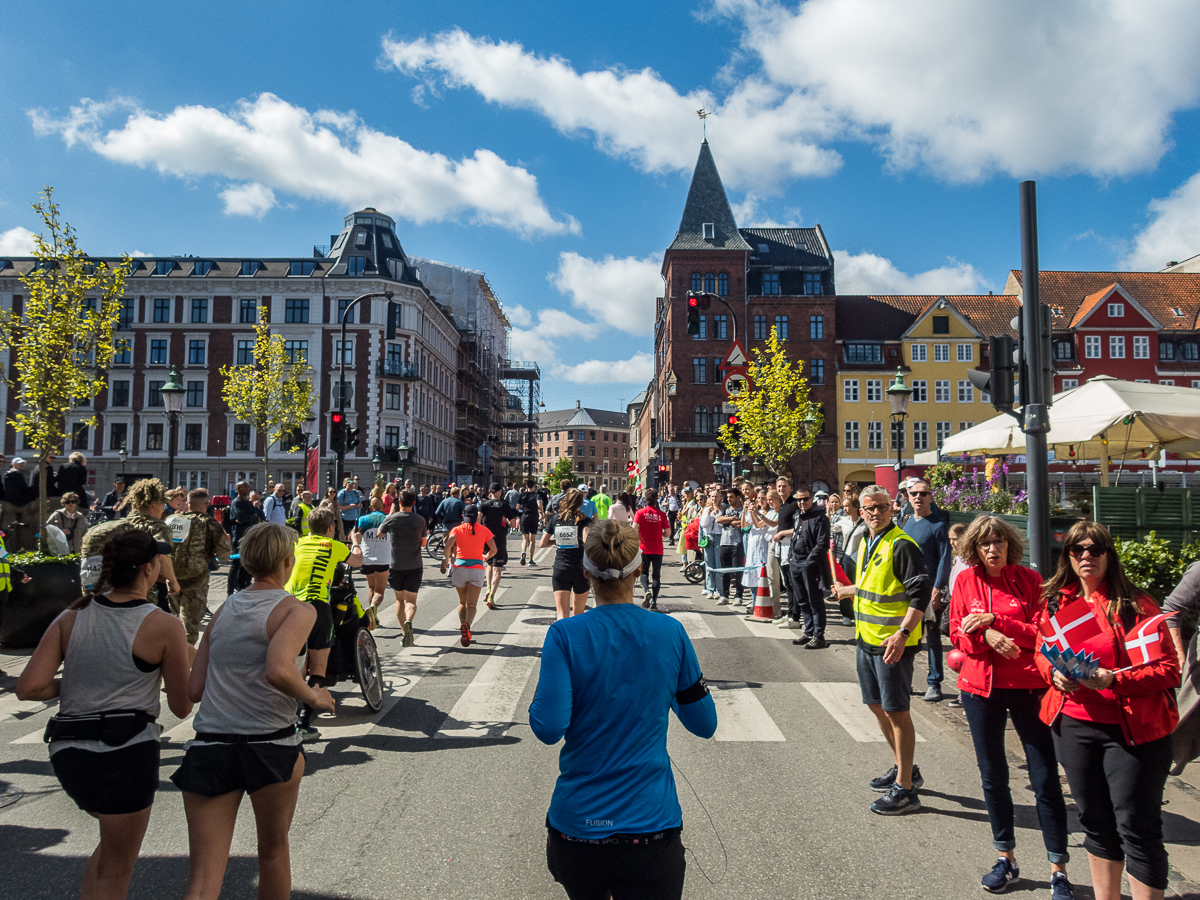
x: 1059, y: 525
x: 28, y: 609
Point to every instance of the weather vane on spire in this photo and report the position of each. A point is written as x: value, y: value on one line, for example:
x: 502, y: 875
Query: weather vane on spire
x: 703, y: 114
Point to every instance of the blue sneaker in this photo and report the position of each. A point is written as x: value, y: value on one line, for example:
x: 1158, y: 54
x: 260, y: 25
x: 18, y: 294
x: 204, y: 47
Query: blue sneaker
x: 1060, y: 887
x: 1003, y: 876
x: 896, y: 802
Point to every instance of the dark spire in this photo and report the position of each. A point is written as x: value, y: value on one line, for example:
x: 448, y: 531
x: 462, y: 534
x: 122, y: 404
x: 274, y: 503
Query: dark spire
x: 707, y: 205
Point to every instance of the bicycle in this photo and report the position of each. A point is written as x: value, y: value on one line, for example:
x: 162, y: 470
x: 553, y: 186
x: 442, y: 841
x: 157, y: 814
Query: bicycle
x: 693, y: 572
x: 435, y: 544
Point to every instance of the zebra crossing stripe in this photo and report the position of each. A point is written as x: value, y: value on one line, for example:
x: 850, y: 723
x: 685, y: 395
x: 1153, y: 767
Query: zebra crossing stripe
x: 843, y: 701
x: 694, y: 624
x: 741, y: 716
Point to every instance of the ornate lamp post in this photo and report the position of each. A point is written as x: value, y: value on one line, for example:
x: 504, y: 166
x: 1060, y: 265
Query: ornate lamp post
x: 375, y: 464
x: 173, y: 393
x: 124, y: 456
x: 898, y: 396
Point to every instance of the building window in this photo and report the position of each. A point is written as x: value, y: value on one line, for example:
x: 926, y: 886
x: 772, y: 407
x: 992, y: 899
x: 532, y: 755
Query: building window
x: 1091, y: 346
x: 852, y: 436
x: 1070, y: 383
x: 723, y: 284
x: 155, y: 393
x: 963, y: 426
x: 154, y: 436
x: 812, y: 283
x: 248, y: 311
x: 125, y: 314
x: 296, y: 310
x: 781, y: 327
x: 760, y: 328
x: 897, y: 438
x: 709, y: 230
x: 162, y: 310
x: 941, y: 324
x: 195, y: 394
x: 301, y: 268
x: 941, y: 391
x: 158, y: 353
x: 874, y: 390
x: 581, y: 437
x: 920, y: 391
x: 966, y: 352
x: 241, y: 437
x: 864, y: 353
x: 941, y: 353
x: 874, y: 435
x: 699, y: 370
x: 122, y: 352
x: 343, y: 305
x: 79, y: 436
x: 199, y: 309
x: 850, y: 390
x: 297, y: 352
x: 770, y: 283
x: 816, y: 328
x: 1062, y: 350
x: 196, y: 353
x: 356, y: 265
x: 1116, y: 310
x: 817, y: 370
x: 1166, y: 350
x: 1170, y: 382
x: 119, y: 395
x: 249, y: 267
x: 721, y: 327
x: 343, y: 348
x: 245, y: 353
x: 920, y: 435
x: 918, y: 353
x: 1190, y: 351
x: 943, y: 432
x: 193, y: 435
x: 710, y: 283
x: 118, y: 432
x: 391, y: 396
x: 966, y: 392
x: 702, y: 334
x: 391, y: 436
x: 697, y: 284
x: 1141, y: 346
x: 1116, y: 346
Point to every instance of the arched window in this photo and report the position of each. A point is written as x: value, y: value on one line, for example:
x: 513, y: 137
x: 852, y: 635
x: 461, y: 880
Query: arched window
x: 723, y: 284
x: 696, y: 281
x: 718, y: 419
x: 710, y: 283
x: 700, y: 420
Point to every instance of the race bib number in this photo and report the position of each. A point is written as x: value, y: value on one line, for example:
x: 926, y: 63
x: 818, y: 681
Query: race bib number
x: 180, y: 526
x: 89, y: 571
x: 566, y: 537
x: 376, y: 550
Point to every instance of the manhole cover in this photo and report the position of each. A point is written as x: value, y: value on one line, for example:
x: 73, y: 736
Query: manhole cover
x: 676, y: 607
x: 542, y: 620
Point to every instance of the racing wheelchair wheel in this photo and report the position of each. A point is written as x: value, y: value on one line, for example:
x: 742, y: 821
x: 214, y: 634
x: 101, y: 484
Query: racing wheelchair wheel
x: 694, y: 572
x: 436, y: 544
x: 366, y: 666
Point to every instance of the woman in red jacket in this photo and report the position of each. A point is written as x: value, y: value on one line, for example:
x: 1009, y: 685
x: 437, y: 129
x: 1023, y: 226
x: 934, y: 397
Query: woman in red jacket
x: 1113, y: 731
x: 995, y: 607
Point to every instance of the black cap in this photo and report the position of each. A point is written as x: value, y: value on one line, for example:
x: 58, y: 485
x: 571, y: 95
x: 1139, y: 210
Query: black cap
x: 496, y: 486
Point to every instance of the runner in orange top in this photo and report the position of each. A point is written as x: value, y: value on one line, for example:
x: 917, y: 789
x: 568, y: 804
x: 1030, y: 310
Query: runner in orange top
x: 468, y: 545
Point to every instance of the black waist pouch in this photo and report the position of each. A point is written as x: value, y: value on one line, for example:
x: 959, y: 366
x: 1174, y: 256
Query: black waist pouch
x: 113, y: 728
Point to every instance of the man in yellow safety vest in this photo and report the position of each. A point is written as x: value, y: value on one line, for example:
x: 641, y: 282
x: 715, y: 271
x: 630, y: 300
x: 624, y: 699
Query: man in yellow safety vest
x: 891, y: 593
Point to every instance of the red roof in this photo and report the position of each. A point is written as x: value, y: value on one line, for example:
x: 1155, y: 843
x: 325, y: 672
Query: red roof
x: 990, y: 313
x: 1159, y: 293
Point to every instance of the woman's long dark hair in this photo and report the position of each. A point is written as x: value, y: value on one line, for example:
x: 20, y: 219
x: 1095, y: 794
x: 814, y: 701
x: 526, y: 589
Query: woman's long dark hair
x: 123, y: 556
x: 570, y: 506
x: 1123, y: 594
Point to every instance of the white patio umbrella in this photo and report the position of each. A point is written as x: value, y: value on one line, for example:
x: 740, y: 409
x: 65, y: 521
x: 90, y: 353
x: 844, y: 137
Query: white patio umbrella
x: 1104, y: 418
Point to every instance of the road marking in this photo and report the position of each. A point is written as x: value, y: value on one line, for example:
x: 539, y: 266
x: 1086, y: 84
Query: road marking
x: 183, y: 732
x: 694, y: 624
x: 488, y: 707
x: 541, y: 554
x: 11, y: 707
x: 768, y: 629
x: 843, y: 701
x: 741, y: 717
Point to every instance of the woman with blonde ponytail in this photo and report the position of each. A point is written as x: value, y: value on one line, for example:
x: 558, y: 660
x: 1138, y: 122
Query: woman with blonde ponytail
x: 608, y: 683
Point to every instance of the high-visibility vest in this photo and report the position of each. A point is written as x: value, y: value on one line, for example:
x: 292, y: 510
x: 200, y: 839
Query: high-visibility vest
x: 880, y: 598
x: 304, y: 511
x: 5, y: 569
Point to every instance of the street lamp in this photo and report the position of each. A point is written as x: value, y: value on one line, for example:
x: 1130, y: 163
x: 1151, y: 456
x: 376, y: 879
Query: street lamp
x: 173, y: 393
x: 375, y: 464
x: 124, y: 455
x: 898, y: 396
x: 402, y: 456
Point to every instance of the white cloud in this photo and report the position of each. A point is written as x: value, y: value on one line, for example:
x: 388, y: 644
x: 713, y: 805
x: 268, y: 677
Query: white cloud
x: 748, y: 214
x: 254, y: 200
x: 866, y: 273
x: 765, y: 134
x: 639, y: 368
x: 326, y: 155
x: 518, y: 316
x: 1174, y: 232
x: 17, y: 241
x: 618, y: 292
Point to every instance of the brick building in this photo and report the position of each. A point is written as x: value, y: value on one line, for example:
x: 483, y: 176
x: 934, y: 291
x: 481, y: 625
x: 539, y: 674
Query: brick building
x: 595, y: 440
x: 764, y: 278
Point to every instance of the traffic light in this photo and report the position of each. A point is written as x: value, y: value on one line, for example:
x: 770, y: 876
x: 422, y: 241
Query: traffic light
x: 631, y: 467
x: 351, y: 440
x: 998, y: 380
x: 393, y: 321
x: 337, y: 433
x: 731, y: 420
x: 663, y: 478
x: 693, y: 313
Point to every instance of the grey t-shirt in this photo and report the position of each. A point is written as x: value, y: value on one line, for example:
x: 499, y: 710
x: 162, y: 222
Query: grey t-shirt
x: 406, y: 530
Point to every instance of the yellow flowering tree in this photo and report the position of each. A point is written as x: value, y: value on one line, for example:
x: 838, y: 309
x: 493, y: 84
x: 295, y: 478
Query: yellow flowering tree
x: 61, y: 341
x: 273, y: 393
x: 776, y: 417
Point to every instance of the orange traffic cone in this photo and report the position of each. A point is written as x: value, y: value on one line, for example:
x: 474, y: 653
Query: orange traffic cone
x: 764, y: 610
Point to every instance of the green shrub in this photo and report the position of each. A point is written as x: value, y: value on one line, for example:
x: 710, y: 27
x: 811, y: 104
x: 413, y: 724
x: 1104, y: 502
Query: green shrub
x: 1153, y: 566
x: 37, y: 558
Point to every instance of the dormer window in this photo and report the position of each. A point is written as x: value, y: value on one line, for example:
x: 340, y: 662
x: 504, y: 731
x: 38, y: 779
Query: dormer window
x: 360, y: 239
x: 356, y: 265
x: 709, y: 230
x: 163, y: 267
x: 5, y: 264
x: 387, y: 241
x: 202, y: 267
x: 764, y: 248
x: 1116, y: 310
x: 250, y: 267
x: 301, y: 268
x: 1175, y: 310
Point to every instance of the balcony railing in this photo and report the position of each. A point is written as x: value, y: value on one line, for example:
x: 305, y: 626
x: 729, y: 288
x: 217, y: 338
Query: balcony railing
x: 403, y: 371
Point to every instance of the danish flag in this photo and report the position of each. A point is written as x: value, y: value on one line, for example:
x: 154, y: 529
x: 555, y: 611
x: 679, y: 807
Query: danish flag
x: 1146, y: 644
x: 1074, y: 622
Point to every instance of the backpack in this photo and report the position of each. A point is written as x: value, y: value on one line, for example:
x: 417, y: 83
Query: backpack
x: 191, y: 555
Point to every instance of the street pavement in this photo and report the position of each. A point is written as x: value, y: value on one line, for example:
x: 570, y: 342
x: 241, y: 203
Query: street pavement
x: 443, y: 793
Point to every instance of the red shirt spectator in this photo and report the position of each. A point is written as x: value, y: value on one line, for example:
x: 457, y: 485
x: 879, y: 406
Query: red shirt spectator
x: 650, y: 523
x: 1015, y: 599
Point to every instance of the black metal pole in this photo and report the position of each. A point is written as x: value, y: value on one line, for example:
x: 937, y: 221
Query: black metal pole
x: 173, y: 425
x: 1035, y: 416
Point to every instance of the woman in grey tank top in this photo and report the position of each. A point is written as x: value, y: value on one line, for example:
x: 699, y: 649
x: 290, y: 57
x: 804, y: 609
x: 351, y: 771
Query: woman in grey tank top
x: 116, y: 651
x: 248, y: 679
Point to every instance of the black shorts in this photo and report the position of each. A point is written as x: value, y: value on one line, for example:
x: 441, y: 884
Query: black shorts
x: 211, y: 770
x: 500, y: 560
x: 371, y: 569
x: 109, y: 782
x: 529, y: 524
x: 321, y: 636
x: 585, y: 870
x: 405, y: 580
x: 574, y: 581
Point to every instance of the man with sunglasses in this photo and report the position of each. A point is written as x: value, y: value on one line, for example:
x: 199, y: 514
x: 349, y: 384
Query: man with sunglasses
x: 810, y: 548
x: 930, y: 528
x: 890, y: 597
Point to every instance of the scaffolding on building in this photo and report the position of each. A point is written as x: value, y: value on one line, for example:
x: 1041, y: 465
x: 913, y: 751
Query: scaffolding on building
x: 523, y: 385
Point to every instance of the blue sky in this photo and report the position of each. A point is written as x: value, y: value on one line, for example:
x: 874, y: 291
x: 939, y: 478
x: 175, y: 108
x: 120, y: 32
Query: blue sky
x: 550, y: 145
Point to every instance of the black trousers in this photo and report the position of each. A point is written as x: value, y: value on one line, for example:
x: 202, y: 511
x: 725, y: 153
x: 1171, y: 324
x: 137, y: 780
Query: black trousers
x: 673, y: 518
x: 239, y: 578
x: 653, y: 871
x: 651, y: 570
x: 732, y: 555
x: 809, y: 601
x: 1118, y: 790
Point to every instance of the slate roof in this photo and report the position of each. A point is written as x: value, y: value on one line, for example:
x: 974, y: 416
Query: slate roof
x: 1159, y: 293
x: 788, y: 247
x: 707, y: 202
x: 583, y: 417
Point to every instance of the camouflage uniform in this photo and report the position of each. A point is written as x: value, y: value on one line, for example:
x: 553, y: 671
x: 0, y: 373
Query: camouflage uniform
x: 157, y: 529
x: 94, y: 541
x: 205, y: 539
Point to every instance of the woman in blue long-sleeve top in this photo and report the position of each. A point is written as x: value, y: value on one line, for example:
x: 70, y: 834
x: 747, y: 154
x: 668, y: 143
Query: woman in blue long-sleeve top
x: 608, y: 682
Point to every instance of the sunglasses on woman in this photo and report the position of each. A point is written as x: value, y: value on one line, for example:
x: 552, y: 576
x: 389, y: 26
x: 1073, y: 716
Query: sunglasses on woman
x: 1093, y: 550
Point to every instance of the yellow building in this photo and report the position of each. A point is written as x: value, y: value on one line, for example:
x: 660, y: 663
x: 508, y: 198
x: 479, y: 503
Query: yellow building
x: 934, y: 341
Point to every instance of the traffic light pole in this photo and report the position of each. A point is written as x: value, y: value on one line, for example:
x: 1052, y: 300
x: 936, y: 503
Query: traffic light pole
x: 1035, y: 404
x: 340, y: 457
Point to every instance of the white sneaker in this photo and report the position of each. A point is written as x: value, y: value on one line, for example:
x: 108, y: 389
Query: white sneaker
x: 792, y: 623
x: 723, y: 601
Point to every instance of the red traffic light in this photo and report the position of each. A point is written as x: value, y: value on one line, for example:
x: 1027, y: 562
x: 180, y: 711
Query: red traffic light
x: 631, y: 466
x: 732, y: 420
x: 692, y: 300
x: 662, y: 468
x: 337, y: 418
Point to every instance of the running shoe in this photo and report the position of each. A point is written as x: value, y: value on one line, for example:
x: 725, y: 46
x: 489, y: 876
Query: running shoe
x: 465, y: 630
x: 1060, y: 887
x: 1003, y: 876
x: 897, y: 802
x: 491, y: 600
x: 309, y: 735
x: 653, y: 606
x: 646, y: 599
x: 724, y: 601
x: 372, y: 618
x: 888, y: 778
x: 408, y: 635
x: 522, y: 559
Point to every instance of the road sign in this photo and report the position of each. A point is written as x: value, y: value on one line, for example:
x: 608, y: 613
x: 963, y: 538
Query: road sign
x: 485, y: 450
x: 735, y: 384
x: 728, y: 408
x: 736, y: 357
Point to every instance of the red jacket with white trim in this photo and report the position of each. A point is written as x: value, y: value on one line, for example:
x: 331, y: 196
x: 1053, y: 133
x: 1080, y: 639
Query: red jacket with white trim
x: 1018, y: 610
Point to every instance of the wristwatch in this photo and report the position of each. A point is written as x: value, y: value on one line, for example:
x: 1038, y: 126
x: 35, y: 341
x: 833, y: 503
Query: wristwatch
x: 905, y: 631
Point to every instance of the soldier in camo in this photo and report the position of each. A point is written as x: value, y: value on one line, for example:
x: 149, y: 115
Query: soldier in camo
x: 147, y: 501
x: 203, y: 540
